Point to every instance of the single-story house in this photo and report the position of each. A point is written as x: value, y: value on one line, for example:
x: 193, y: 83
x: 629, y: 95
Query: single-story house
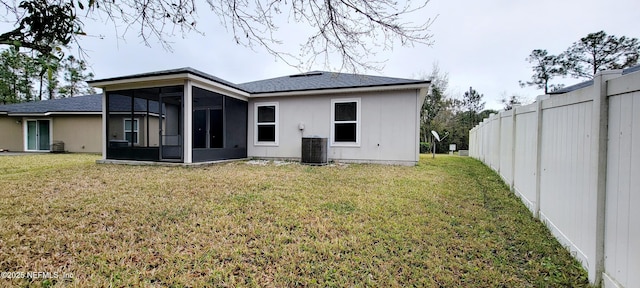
x: 187, y: 116
x: 34, y: 126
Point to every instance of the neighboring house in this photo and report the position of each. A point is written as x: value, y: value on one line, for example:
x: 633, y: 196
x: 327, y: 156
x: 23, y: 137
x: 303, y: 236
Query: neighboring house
x: 204, y: 118
x: 34, y: 126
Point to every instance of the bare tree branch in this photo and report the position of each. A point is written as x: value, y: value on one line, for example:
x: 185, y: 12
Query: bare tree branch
x: 354, y: 30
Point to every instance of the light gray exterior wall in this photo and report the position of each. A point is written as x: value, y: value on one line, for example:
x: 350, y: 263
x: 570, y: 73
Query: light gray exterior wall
x: 389, y: 126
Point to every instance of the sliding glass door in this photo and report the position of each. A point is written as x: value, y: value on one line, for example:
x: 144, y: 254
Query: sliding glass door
x: 38, y: 135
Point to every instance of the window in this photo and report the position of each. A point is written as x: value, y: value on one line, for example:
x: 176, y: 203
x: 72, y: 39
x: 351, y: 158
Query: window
x: 131, y: 130
x: 266, y: 124
x: 345, y: 122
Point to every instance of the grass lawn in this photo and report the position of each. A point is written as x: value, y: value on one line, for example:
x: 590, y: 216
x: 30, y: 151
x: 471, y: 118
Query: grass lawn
x: 449, y: 222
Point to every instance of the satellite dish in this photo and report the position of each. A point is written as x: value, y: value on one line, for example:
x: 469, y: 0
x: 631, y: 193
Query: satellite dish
x: 435, y: 134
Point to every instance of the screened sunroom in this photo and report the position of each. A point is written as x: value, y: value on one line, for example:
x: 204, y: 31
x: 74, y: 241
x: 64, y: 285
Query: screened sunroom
x: 182, y: 116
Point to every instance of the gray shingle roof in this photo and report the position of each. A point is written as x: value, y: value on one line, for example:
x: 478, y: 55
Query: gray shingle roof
x: 120, y: 103
x: 590, y: 82
x: 88, y: 103
x: 631, y: 70
x: 318, y: 80
x: 572, y: 87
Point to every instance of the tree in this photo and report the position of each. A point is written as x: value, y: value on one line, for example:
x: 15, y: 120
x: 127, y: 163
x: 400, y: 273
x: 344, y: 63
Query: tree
x: 49, y: 69
x: 485, y: 114
x: 75, y: 76
x: 343, y: 27
x: 28, y: 76
x: 42, y: 25
x: 452, y: 117
x: 16, y: 72
x: 510, y: 102
x: 472, y: 101
x: 471, y: 105
x: 545, y: 67
x: 434, y: 102
x: 597, y: 52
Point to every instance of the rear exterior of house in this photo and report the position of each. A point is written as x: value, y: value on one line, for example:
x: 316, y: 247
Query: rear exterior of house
x: 186, y: 116
x: 366, y: 127
x: 197, y: 117
x: 35, y: 126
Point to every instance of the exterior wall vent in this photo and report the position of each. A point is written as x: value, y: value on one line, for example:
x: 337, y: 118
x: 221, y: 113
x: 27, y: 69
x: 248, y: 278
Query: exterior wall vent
x: 314, y: 150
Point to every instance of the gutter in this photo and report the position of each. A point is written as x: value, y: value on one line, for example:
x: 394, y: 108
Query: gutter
x: 51, y: 113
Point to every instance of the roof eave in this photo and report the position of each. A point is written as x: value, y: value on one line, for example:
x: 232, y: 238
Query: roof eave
x: 75, y: 113
x: 408, y: 86
x: 105, y: 83
x: 41, y: 114
x: 227, y: 88
x: 152, y: 80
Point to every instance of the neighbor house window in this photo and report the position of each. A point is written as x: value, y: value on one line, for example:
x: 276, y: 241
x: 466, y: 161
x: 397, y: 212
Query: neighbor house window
x: 266, y: 124
x: 345, y: 122
x: 131, y: 130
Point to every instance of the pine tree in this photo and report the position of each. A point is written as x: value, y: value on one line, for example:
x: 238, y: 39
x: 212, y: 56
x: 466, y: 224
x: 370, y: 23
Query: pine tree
x: 75, y: 77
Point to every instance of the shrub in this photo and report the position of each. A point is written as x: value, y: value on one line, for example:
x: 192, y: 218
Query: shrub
x: 425, y: 147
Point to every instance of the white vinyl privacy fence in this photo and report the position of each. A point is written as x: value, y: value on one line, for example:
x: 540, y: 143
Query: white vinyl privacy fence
x: 574, y: 160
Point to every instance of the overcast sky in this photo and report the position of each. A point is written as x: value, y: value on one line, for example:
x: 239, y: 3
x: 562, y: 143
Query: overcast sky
x: 482, y: 44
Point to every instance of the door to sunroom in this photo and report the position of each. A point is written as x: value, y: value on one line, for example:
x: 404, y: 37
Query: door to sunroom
x: 171, y: 127
x: 38, y: 135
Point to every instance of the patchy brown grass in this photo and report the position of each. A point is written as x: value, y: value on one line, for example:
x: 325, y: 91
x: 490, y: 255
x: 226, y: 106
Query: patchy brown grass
x: 447, y: 222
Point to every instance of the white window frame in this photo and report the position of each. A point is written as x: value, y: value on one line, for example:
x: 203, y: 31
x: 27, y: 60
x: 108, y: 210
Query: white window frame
x: 334, y: 122
x: 256, y: 124
x: 26, y: 137
x: 137, y: 131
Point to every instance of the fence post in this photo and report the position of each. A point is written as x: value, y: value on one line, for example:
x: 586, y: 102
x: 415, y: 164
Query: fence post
x: 497, y: 156
x: 599, y: 138
x: 513, y: 149
x: 536, y: 208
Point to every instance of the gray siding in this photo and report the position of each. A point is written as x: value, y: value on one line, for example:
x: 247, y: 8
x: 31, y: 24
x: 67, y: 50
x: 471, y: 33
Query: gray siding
x: 388, y: 125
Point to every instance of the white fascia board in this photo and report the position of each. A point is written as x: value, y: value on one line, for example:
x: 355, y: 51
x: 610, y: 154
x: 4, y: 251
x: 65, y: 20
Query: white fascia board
x: 172, y: 79
x: 343, y: 90
x: 218, y: 87
x: 52, y: 113
x: 73, y: 113
x: 28, y: 114
x: 140, y: 80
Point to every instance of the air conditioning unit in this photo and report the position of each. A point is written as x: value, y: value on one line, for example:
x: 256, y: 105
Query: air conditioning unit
x: 314, y: 150
x: 57, y: 147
